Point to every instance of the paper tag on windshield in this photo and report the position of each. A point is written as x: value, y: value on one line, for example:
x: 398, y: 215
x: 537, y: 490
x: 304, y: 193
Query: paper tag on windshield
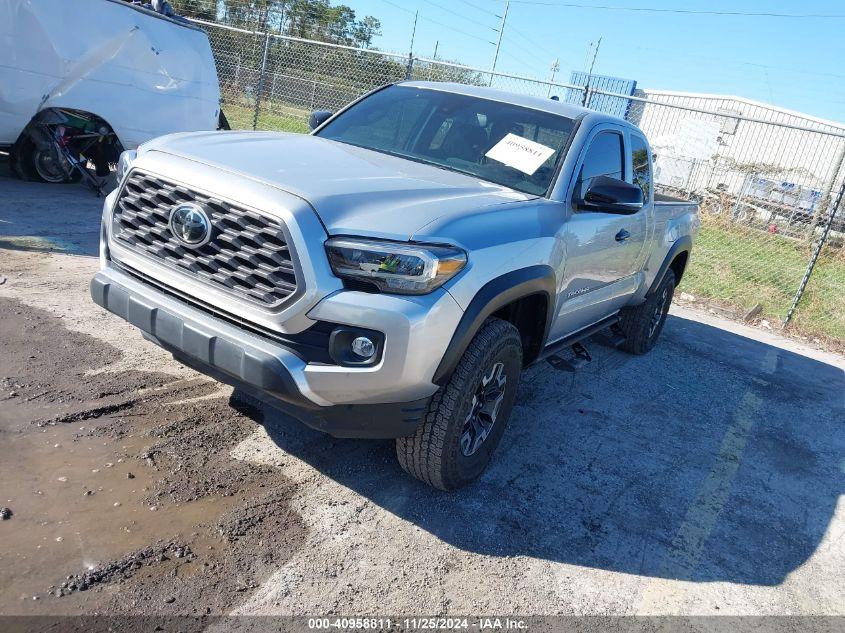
x: 520, y: 153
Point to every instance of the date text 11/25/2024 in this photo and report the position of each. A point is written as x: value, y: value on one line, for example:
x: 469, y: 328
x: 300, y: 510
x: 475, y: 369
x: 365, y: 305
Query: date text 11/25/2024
x: 419, y: 624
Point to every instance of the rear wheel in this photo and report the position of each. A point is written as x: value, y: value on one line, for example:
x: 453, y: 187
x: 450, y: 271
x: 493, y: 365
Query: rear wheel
x: 36, y: 157
x: 467, y: 416
x: 643, y: 324
x: 51, y: 166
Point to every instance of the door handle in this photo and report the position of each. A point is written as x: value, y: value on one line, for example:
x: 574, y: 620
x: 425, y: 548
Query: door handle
x: 622, y: 235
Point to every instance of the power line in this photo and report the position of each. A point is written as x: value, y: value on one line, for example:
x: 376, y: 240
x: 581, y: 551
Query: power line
x: 507, y: 38
x: 482, y: 9
x: 455, y: 13
x: 441, y: 24
x: 533, y: 41
x: 760, y: 14
x: 512, y: 42
x: 535, y: 44
x: 674, y: 54
x: 523, y: 62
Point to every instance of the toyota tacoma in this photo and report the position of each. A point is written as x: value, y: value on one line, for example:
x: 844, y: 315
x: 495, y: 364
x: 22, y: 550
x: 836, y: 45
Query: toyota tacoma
x: 391, y: 274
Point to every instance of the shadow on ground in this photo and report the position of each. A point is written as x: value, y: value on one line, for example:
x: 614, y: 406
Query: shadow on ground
x: 714, y: 458
x: 48, y: 218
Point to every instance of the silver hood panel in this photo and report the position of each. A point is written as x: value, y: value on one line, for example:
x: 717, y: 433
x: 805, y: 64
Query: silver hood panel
x: 353, y: 190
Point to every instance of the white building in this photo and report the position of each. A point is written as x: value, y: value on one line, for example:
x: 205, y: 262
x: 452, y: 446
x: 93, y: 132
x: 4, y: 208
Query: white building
x: 756, y: 151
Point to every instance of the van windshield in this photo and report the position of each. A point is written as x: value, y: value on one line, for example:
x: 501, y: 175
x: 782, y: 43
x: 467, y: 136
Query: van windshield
x: 499, y: 142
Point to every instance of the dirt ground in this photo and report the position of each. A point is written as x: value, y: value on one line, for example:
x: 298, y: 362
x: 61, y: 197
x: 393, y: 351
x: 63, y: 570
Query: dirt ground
x: 703, y: 479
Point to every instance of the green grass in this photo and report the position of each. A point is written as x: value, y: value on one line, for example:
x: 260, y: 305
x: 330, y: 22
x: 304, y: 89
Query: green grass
x: 271, y: 116
x: 745, y: 267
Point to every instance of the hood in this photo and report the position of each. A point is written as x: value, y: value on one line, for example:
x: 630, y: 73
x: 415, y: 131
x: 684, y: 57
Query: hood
x: 354, y: 191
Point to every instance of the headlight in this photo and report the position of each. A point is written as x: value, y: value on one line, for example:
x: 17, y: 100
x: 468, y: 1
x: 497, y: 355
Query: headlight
x: 124, y: 163
x: 412, y: 269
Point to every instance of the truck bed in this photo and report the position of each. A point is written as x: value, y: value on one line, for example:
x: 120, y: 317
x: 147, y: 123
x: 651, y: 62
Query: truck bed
x: 662, y: 198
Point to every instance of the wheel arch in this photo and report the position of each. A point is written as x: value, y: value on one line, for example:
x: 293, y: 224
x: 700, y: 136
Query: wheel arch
x: 34, y: 134
x: 52, y: 116
x: 524, y: 297
x: 676, y: 260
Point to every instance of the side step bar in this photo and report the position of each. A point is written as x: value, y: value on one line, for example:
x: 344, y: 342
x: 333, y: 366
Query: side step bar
x: 614, y: 337
x: 582, y: 356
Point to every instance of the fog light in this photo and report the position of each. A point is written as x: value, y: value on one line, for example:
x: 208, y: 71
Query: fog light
x: 355, y: 346
x: 363, y: 347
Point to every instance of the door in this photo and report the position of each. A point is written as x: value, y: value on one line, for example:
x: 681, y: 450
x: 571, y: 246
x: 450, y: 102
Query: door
x: 603, y: 249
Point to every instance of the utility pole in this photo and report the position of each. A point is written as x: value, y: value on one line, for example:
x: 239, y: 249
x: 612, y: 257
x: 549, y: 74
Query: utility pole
x: 260, y: 88
x: 431, y: 66
x: 499, y: 41
x: 414, y: 32
x: 409, y: 71
x: 555, y: 68
x: 590, y: 73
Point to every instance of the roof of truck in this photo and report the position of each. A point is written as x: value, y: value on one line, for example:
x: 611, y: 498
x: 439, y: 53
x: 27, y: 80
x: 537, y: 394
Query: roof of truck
x: 568, y: 110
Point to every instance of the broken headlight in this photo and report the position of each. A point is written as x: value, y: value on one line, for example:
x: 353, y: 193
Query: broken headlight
x: 395, y: 267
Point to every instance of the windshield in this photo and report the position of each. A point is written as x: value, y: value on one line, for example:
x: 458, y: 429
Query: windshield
x: 506, y: 144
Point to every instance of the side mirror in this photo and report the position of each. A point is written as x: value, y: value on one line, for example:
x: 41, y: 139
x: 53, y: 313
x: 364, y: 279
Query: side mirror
x: 317, y: 118
x: 610, y: 195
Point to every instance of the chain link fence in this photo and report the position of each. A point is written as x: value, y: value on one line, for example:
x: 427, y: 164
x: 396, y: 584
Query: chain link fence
x: 769, y: 185
x: 771, y: 245
x: 271, y: 81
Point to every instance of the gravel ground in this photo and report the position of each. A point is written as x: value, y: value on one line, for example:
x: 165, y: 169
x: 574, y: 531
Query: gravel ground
x: 705, y: 478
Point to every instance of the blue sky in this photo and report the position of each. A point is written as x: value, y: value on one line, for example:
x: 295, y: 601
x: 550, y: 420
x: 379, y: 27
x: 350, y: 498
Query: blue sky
x: 793, y: 63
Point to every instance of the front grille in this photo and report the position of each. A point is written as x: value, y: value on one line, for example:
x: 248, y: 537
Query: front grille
x: 247, y: 254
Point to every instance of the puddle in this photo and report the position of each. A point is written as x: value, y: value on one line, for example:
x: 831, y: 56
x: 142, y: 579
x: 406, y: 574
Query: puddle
x: 70, y: 437
x: 41, y: 244
x: 73, y: 512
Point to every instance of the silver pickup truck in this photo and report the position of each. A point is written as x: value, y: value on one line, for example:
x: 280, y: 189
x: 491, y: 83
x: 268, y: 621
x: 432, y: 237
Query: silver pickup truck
x: 390, y: 275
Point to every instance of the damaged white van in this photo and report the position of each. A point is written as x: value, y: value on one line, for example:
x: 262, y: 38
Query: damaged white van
x: 82, y: 81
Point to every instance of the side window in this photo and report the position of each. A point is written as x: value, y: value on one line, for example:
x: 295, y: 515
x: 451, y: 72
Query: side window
x: 640, y: 164
x: 604, y: 158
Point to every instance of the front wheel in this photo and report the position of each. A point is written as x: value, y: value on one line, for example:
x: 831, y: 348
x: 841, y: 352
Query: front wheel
x: 467, y: 416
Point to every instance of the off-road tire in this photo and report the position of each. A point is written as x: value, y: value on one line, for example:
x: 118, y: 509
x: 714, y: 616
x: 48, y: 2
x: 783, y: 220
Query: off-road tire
x: 641, y: 332
x: 433, y: 454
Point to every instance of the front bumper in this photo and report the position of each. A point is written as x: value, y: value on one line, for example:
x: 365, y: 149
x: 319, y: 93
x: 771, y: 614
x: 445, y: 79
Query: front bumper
x: 386, y: 400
